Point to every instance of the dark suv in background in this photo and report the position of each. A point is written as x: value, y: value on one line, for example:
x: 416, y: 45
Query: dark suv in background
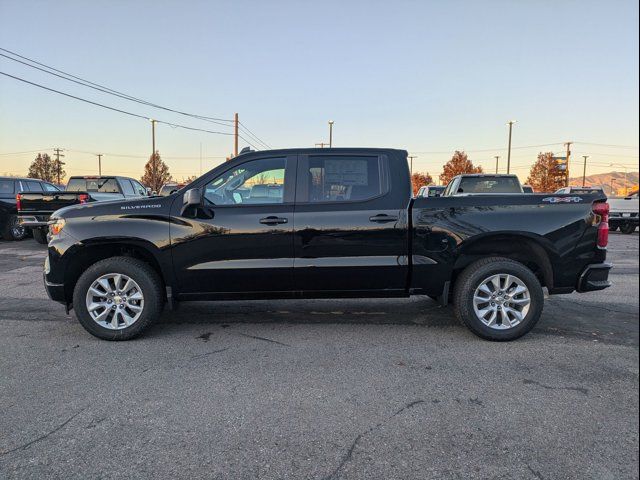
x: 10, y: 229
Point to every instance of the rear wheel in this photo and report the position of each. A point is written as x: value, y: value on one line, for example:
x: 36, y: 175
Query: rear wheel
x: 40, y: 235
x: 12, y: 230
x: 118, y: 298
x: 498, y: 299
x: 628, y: 228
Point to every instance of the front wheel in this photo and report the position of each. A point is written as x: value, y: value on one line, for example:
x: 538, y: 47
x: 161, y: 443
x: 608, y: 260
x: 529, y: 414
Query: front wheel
x: 118, y: 298
x: 498, y: 298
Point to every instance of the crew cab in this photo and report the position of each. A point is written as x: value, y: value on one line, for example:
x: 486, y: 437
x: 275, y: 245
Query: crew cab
x: 314, y: 223
x: 10, y: 228
x: 34, y: 207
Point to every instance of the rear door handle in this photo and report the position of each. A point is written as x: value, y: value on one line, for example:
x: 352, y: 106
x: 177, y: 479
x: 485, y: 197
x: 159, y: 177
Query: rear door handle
x: 273, y: 220
x: 381, y: 218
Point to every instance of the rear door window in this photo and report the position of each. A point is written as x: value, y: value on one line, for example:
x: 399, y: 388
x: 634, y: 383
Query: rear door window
x: 33, y: 186
x: 343, y: 178
x: 127, y: 188
x: 50, y: 188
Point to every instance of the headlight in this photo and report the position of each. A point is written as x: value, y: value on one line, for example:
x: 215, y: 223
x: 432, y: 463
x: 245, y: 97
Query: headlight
x: 55, y: 226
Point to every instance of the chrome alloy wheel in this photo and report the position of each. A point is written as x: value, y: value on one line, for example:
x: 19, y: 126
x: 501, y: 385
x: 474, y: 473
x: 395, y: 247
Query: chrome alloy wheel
x: 501, y: 301
x: 115, y: 301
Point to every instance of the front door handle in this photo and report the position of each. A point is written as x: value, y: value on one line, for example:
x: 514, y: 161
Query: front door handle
x: 273, y: 220
x: 381, y: 218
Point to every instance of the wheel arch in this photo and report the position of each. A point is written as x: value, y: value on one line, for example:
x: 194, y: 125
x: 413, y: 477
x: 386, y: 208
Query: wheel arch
x: 524, y: 248
x: 92, y: 252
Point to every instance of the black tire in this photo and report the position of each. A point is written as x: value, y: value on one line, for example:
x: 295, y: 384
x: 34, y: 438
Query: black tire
x: 12, y: 230
x: 150, y: 285
x: 474, y: 275
x: 627, y: 228
x: 613, y: 228
x: 40, y: 235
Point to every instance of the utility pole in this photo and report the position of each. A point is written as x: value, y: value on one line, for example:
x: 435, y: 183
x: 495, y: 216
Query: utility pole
x: 511, y: 122
x: 568, y: 144
x: 411, y: 157
x: 99, y: 164
x: 200, y: 159
x: 154, y: 164
x: 58, y: 162
x: 235, y: 135
x: 584, y: 170
x: 497, y: 157
x: 330, y: 133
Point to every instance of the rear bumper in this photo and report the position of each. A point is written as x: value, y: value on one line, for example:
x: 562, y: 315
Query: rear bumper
x: 623, y: 218
x: 33, y: 220
x: 594, y: 277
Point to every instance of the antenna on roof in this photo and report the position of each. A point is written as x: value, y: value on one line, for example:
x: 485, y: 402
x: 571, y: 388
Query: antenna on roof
x: 246, y: 150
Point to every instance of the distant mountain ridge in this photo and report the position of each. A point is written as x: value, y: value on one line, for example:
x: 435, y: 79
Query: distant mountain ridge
x: 604, y: 180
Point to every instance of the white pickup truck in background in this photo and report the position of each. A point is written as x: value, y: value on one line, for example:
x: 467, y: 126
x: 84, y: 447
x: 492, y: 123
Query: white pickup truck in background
x: 624, y: 213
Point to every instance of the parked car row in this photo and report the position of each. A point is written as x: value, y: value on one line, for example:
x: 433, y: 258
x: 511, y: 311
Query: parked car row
x: 27, y: 203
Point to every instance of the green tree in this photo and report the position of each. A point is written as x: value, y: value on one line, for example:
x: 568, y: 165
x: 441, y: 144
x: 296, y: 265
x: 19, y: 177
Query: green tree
x: 156, y: 173
x: 44, y: 168
x: 458, y: 165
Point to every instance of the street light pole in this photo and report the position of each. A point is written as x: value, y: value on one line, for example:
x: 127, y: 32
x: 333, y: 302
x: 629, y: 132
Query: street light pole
x: 511, y: 122
x: 497, y: 157
x: 330, y: 133
x: 99, y: 164
x: 584, y: 170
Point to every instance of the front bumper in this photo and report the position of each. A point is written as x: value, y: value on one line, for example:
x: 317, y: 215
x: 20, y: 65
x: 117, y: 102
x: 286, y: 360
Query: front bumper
x: 55, y: 291
x: 594, y: 277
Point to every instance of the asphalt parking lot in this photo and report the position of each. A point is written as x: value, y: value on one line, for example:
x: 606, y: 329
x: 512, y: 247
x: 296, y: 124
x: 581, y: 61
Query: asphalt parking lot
x: 326, y: 389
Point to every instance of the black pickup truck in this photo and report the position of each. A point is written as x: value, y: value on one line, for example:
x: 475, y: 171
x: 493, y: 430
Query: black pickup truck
x: 315, y: 223
x: 35, y: 208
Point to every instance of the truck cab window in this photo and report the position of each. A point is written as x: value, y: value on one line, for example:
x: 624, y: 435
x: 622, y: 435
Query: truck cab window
x: 343, y: 178
x: 256, y: 182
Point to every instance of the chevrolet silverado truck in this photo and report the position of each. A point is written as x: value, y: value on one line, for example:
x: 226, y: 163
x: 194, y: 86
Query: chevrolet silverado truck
x: 35, y: 208
x: 324, y: 223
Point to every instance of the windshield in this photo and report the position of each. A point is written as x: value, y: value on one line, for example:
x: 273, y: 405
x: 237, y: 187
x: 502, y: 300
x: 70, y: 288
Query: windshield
x: 489, y: 185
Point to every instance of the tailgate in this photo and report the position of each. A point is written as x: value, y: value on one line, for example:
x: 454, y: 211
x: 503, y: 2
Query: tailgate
x: 46, y: 202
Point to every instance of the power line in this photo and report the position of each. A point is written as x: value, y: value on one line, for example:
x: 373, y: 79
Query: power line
x: 104, y: 89
x: 96, y: 86
x: 175, y: 125
x: 28, y: 151
x: 249, y: 132
x: 493, y: 149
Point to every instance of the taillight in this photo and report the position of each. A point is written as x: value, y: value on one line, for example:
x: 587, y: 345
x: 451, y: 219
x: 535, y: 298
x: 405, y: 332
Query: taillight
x: 19, y: 201
x: 601, y: 210
x: 83, y: 197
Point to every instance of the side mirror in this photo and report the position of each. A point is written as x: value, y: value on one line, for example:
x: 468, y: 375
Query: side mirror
x: 148, y: 192
x: 192, y: 197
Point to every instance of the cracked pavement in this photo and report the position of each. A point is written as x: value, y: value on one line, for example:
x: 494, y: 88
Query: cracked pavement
x: 319, y: 389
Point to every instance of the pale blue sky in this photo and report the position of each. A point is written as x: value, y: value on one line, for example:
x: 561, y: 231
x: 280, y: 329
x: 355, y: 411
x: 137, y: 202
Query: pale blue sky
x: 424, y: 76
